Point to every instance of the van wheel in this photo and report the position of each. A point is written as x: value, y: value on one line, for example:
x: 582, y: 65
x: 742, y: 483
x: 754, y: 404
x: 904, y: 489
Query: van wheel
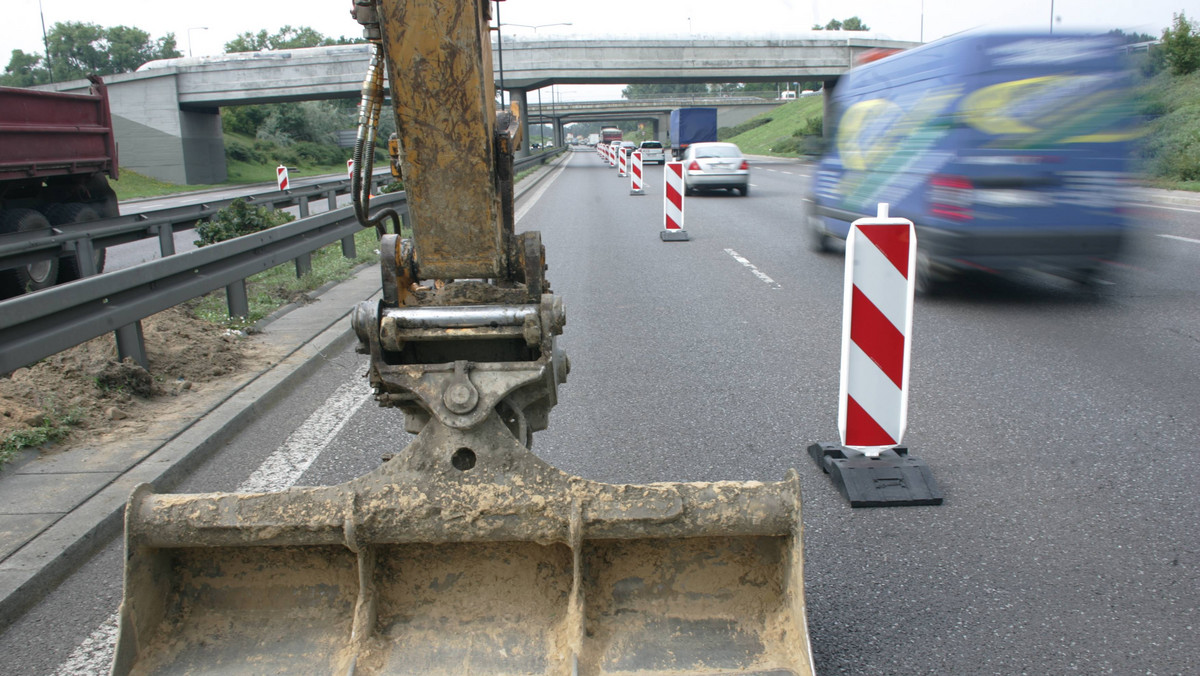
x: 818, y: 239
x: 927, y: 281
x: 745, y: 190
x: 75, y: 212
x: 42, y: 274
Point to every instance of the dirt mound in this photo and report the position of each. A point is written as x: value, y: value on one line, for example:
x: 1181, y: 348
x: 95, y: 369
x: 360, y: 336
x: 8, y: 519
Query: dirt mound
x: 184, y: 354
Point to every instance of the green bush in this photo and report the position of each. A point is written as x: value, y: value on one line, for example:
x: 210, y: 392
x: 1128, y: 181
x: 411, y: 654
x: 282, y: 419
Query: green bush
x: 240, y: 152
x: 238, y: 219
x: 318, y: 153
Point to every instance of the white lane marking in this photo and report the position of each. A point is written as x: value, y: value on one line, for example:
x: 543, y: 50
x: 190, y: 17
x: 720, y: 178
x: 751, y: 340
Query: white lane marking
x: 790, y: 173
x: 754, y: 269
x: 1182, y: 239
x: 528, y: 203
x: 279, y: 471
x: 95, y: 654
x: 284, y: 467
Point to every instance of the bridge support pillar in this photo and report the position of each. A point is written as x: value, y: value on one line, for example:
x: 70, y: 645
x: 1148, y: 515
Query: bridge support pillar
x: 160, y: 140
x: 827, y: 125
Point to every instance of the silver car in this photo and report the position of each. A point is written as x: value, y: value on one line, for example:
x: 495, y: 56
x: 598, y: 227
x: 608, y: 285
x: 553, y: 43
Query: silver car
x: 652, y: 151
x: 715, y: 165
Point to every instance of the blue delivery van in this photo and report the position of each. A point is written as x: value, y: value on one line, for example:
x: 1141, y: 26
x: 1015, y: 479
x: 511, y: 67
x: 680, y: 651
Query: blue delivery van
x: 1006, y: 150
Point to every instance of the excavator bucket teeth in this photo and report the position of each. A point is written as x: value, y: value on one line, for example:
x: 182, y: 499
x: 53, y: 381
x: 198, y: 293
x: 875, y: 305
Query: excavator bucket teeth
x: 508, y: 567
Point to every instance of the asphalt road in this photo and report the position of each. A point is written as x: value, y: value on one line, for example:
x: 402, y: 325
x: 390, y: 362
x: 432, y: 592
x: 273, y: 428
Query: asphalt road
x: 1060, y: 422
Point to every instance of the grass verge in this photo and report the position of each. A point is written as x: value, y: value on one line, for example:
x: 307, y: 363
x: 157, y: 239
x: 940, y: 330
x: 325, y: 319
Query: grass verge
x: 271, y: 289
x: 779, y: 132
x: 56, y: 425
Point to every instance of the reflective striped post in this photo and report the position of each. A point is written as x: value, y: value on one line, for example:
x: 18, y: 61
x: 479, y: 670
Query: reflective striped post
x: 870, y: 466
x: 622, y: 162
x: 876, y: 332
x: 635, y: 174
x: 281, y: 177
x: 673, y: 204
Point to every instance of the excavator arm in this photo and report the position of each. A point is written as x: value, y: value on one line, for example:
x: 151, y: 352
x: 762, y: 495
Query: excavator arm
x: 464, y: 553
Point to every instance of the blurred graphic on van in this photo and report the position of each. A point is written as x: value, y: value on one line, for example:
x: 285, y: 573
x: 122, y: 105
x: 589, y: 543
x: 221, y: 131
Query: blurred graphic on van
x: 1006, y: 150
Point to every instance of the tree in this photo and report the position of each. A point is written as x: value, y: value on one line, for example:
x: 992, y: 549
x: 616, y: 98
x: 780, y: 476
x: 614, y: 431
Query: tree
x: 1130, y: 38
x: 1181, y: 45
x: 662, y: 90
x: 24, y: 70
x: 285, y: 38
x: 79, y: 49
x: 852, y: 24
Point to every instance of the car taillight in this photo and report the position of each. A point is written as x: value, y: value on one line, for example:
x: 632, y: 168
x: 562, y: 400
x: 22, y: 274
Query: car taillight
x: 950, y: 197
x: 745, y: 166
x: 694, y: 166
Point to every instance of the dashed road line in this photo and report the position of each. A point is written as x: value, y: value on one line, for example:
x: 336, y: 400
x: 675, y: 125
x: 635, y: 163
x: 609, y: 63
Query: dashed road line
x: 762, y: 276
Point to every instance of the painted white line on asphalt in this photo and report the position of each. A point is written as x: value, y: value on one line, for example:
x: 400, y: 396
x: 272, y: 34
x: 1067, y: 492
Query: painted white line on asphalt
x: 279, y: 471
x: 754, y: 269
x: 1182, y: 239
x: 284, y: 467
x: 95, y: 654
x: 528, y: 203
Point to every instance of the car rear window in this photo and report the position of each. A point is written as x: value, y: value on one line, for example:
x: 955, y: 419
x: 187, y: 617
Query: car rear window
x: 651, y: 144
x: 719, y: 151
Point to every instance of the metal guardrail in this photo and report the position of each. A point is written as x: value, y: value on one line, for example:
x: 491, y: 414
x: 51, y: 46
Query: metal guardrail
x: 80, y: 239
x: 37, y: 325
x: 23, y: 248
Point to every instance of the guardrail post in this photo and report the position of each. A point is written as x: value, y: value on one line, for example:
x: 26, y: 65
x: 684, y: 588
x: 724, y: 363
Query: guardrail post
x: 348, y: 248
x: 131, y: 343
x: 332, y: 195
x: 303, y: 204
x: 166, y: 239
x: 235, y: 297
x: 303, y: 265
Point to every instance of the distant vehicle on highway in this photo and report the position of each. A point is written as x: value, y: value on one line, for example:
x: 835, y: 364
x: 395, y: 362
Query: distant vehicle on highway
x: 652, y: 151
x: 715, y: 165
x: 1007, y: 150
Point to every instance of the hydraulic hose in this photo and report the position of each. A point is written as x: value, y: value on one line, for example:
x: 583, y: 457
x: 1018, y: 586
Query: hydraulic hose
x: 364, y: 148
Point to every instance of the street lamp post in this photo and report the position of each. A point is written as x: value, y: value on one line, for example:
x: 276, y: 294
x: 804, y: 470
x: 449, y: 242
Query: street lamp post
x: 189, y: 32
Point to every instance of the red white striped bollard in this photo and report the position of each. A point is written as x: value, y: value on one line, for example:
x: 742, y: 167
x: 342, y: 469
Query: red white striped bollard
x: 281, y: 177
x: 673, y: 204
x: 876, y: 332
x: 350, y: 168
x: 871, y: 468
x: 622, y: 162
x: 635, y: 174
x: 612, y: 156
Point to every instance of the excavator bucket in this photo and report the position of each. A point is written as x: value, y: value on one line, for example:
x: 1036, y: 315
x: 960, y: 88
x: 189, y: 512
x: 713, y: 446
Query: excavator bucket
x: 466, y: 554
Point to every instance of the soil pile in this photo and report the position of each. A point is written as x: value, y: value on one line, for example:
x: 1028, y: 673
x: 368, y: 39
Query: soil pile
x: 186, y: 355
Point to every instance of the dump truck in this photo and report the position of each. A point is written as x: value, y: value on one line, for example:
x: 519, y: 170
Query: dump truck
x: 464, y: 553
x: 57, y: 152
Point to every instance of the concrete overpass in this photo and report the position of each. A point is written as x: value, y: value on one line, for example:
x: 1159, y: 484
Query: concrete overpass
x: 167, y: 114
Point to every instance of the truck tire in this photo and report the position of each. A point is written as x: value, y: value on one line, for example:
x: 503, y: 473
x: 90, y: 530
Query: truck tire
x: 34, y: 276
x: 74, y: 212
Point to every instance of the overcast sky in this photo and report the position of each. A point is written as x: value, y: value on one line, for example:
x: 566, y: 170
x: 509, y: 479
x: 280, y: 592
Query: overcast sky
x: 209, y: 24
